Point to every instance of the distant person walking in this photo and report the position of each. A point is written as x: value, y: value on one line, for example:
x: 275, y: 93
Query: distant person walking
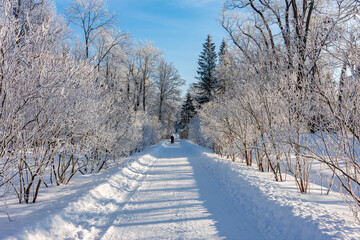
x: 172, y: 139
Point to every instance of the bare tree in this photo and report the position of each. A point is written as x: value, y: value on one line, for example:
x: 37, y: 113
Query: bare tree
x: 91, y: 16
x: 61, y: 114
x: 167, y: 81
x: 147, y: 57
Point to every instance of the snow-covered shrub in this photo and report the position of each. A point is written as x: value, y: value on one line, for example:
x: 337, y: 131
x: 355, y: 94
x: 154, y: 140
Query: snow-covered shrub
x: 64, y: 110
x: 196, y: 133
x: 150, y: 130
x: 284, y: 104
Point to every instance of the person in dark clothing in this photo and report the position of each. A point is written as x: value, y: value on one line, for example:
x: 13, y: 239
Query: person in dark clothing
x: 172, y: 138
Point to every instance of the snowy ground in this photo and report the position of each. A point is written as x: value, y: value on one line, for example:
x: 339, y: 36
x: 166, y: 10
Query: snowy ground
x: 180, y: 191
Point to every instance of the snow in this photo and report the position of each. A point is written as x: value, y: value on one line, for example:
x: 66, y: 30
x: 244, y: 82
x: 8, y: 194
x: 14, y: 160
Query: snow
x: 180, y: 191
x: 279, y: 208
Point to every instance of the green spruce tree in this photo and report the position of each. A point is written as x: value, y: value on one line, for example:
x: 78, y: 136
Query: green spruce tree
x: 187, y: 111
x: 206, y: 86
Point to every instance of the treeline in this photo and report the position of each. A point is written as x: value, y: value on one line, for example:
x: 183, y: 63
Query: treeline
x: 69, y: 106
x: 286, y: 91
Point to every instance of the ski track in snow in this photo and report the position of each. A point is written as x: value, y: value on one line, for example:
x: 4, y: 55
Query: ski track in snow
x: 178, y: 191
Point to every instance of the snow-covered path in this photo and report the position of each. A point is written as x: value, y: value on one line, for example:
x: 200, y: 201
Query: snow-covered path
x: 178, y: 199
x: 179, y: 191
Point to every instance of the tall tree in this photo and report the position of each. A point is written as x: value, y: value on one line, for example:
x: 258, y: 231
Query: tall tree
x: 168, y: 82
x: 147, y: 57
x: 206, y: 86
x: 223, y: 51
x: 187, y: 111
x: 90, y: 16
x: 223, y: 67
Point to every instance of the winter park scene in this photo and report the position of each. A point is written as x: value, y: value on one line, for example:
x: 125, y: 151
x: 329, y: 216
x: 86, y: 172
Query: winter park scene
x: 180, y: 119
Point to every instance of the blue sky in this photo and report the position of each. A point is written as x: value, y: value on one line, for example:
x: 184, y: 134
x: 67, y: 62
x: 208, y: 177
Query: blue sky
x: 178, y: 27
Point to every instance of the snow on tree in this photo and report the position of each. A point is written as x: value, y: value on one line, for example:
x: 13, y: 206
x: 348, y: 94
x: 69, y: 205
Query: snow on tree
x: 222, y: 68
x: 284, y: 109
x: 62, y: 114
x: 147, y: 57
x: 167, y: 84
x: 207, y: 83
x: 90, y: 16
x: 30, y: 77
x: 187, y: 111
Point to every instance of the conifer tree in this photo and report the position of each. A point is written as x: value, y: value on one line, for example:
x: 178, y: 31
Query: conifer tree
x: 187, y: 111
x: 222, y: 68
x: 223, y: 51
x: 206, y: 86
